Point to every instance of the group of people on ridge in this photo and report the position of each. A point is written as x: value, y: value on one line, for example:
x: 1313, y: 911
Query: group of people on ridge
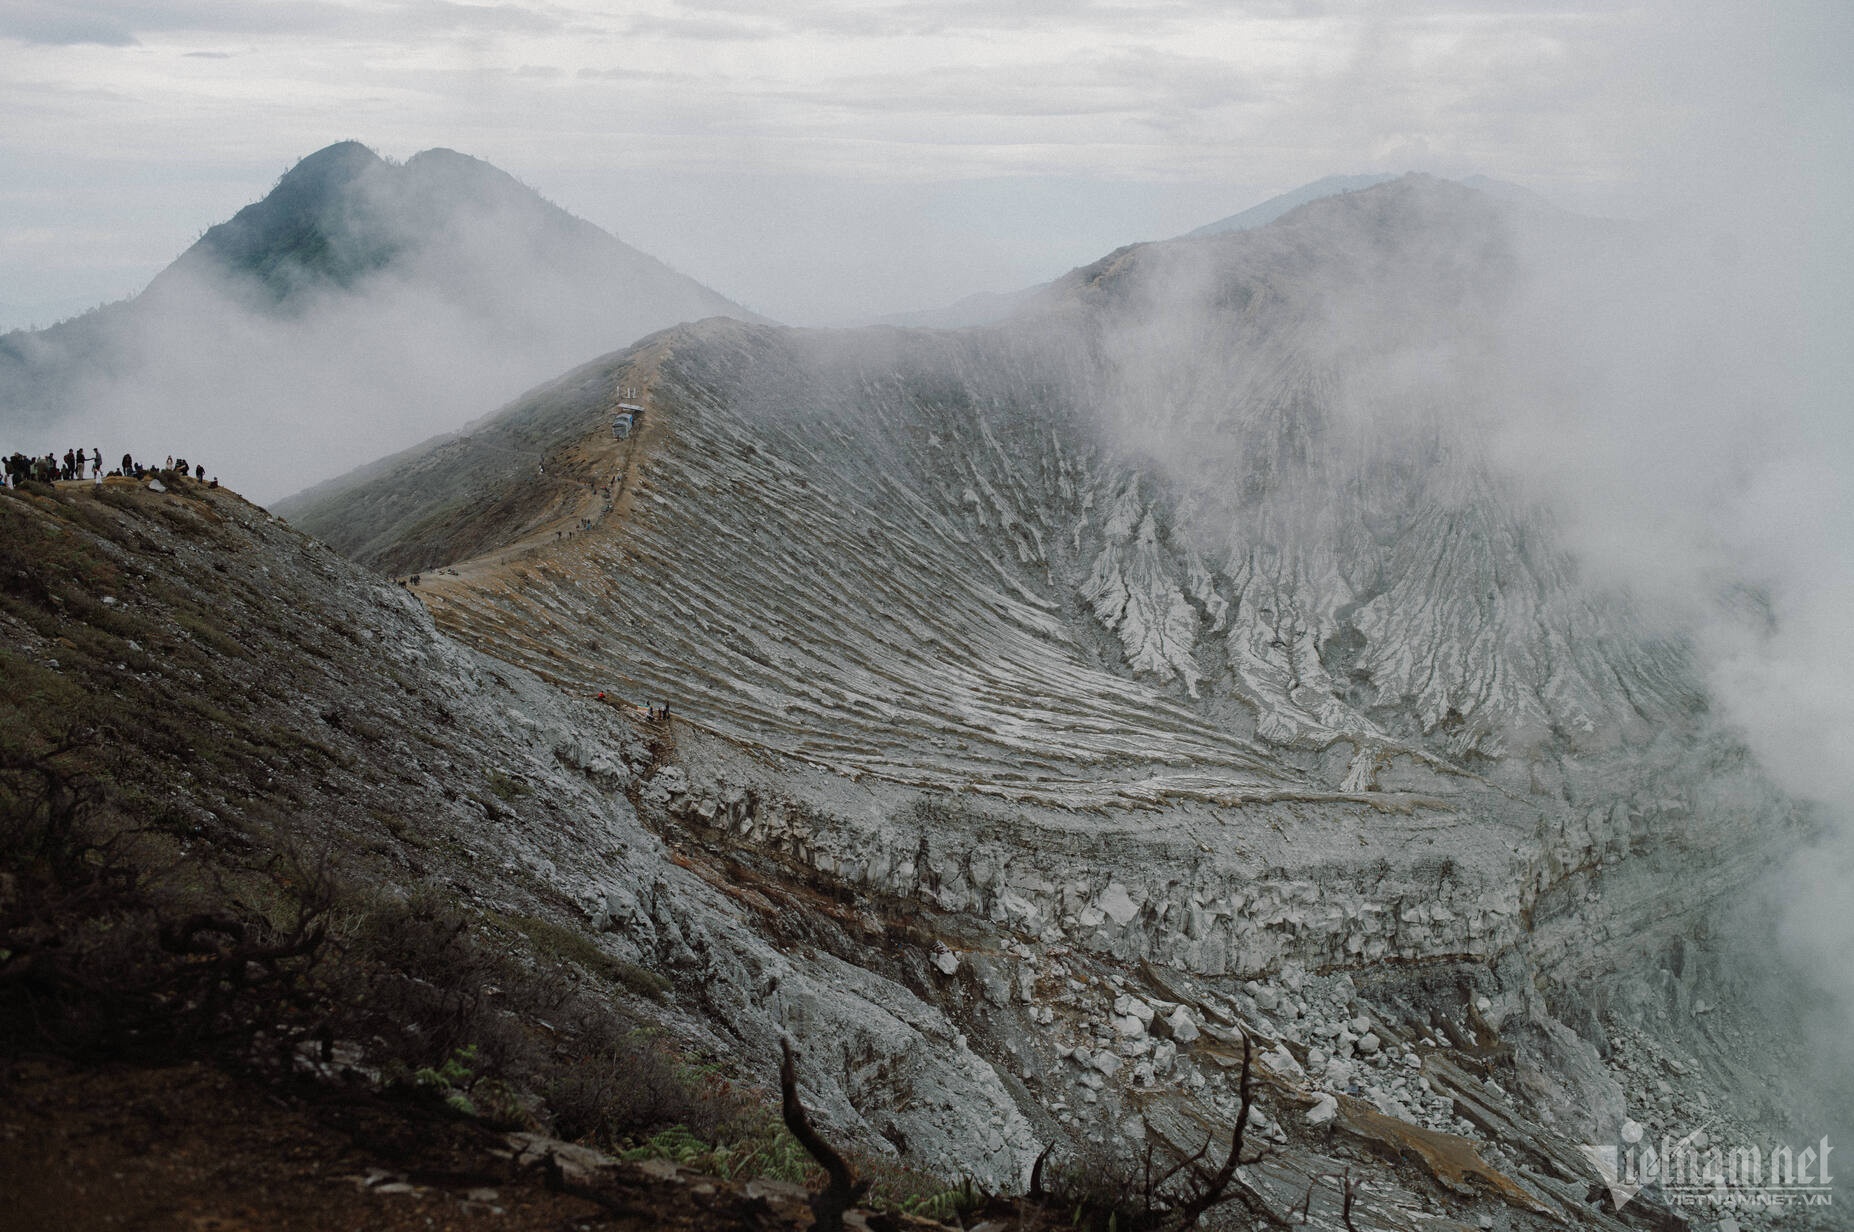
x: 21, y: 468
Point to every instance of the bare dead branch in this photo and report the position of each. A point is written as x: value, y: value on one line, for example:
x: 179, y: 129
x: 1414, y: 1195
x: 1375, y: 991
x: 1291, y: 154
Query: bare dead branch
x: 1306, y: 1202
x: 1217, y: 1189
x: 844, y: 1190
x: 1036, y: 1174
x: 1190, y: 1161
x: 1212, y: 1192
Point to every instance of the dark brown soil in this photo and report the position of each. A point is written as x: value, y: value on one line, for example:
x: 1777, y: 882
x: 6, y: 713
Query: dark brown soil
x: 194, y: 1147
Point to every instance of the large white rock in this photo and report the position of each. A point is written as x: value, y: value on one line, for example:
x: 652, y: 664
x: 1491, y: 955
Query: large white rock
x: 1164, y: 1057
x: 1117, y: 904
x: 1280, y: 1061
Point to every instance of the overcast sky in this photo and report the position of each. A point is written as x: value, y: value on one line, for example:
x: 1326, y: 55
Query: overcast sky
x: 823, y: 160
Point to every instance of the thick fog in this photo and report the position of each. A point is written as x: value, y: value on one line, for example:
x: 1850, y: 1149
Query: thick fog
x: 1673, y: 399
x: 1687, y: 411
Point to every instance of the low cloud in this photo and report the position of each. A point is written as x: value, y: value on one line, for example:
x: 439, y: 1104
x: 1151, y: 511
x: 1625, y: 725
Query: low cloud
x: 123, y: 23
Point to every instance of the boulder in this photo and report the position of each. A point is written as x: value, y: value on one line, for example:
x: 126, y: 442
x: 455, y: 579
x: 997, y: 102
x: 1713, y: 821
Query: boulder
x: 944, y: 958
x: 1126, y: 1003
x: 1117, y: 905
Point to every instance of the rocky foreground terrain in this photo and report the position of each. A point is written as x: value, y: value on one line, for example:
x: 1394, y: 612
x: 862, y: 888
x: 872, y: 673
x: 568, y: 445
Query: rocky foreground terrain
x: 1059, y: 712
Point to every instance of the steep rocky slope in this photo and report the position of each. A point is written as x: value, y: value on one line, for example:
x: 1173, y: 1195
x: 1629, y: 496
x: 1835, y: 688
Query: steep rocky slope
x: 271, y: 695
x: 1173, y: 659
x: 253, y: 697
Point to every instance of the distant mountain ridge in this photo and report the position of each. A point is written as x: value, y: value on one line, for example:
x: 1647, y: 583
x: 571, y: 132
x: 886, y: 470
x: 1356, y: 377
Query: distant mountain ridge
x: 979, y: 308
x: 1263, y: 213
x: 988, y: 307
x: 361, y: 305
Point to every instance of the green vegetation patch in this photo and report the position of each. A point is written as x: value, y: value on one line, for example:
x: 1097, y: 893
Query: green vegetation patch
x: 507, y: 787
x: 559, y: 942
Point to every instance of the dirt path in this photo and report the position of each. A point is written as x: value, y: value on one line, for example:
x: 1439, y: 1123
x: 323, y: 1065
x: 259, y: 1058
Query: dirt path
x: 600, y: 455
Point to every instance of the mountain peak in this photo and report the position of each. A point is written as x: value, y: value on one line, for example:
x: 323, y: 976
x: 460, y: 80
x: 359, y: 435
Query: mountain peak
x: 344, y: 213
x: 444, y: 156
x: 331, y: 165
x: 442, y: 164
x: 296, y: 234
x: 1273, y: 208
x: 1262, y: 214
